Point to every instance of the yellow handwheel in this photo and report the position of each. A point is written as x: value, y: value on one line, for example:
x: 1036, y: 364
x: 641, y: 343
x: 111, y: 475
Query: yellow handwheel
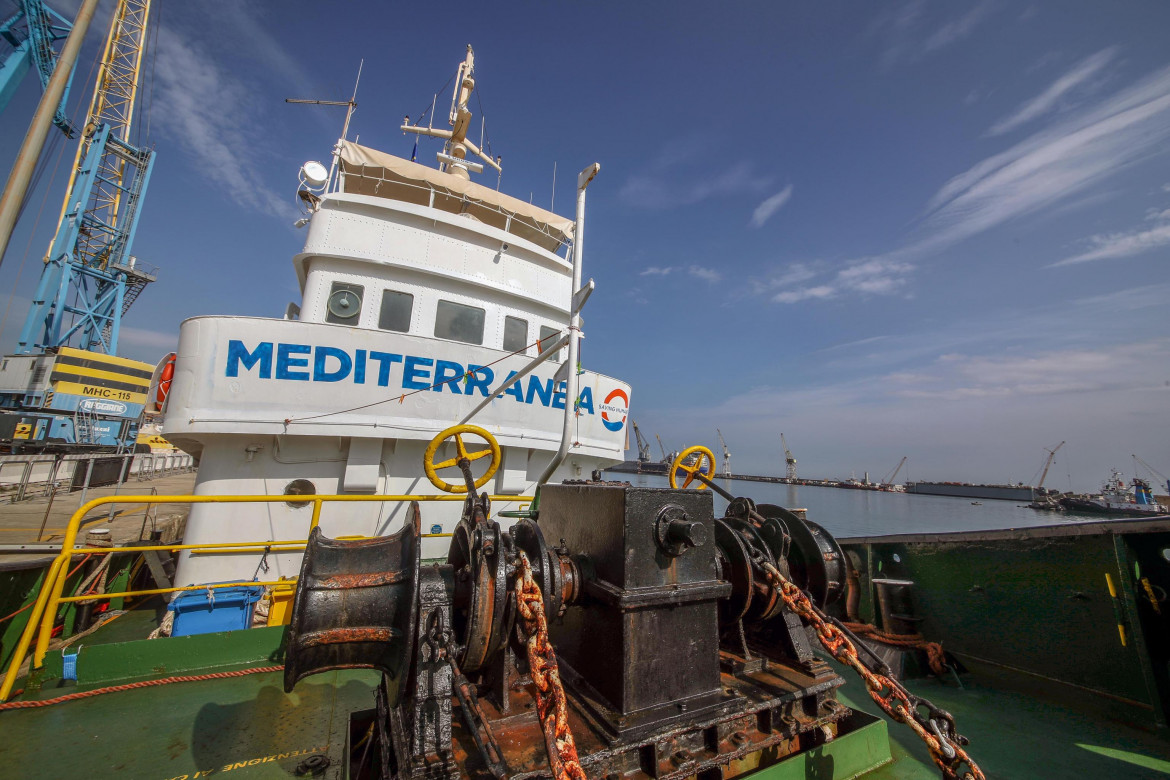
x: 680, y: 464
x: 458, y: 431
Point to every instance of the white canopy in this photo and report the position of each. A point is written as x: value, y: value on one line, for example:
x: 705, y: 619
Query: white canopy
x: 370, y: 172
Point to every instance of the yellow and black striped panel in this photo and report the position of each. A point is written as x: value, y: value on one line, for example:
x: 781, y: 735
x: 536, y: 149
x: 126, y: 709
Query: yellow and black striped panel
x: 92, y: 374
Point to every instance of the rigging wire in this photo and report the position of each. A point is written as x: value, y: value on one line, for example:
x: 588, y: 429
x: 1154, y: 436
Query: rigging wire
x: 153, y: 48
x: 400, y: 398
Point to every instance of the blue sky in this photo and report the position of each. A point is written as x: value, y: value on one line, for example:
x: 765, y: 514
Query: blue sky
x: 938, y: 230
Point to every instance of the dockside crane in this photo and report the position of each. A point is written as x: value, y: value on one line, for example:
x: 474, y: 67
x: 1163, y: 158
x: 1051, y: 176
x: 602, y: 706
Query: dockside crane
x: 82, y: 395
x: 890, y: 479
x: 1153, y: 472
x: 643, y: 445
x: 1048, y: 464
x: 90, y: 278
x: 789, y: 461
x: 726, y: 454
x: 665, y: 457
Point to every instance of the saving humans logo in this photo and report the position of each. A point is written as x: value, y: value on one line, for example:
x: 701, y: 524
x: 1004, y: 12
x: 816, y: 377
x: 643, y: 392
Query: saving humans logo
x: 614, y: 409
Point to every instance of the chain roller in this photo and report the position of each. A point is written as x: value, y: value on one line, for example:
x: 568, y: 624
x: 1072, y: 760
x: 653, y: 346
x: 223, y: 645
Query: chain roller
x: 551, y: 705
x: 937, y: 729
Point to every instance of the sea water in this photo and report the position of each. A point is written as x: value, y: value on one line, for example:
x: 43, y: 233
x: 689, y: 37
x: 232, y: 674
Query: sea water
x: 848, y: 513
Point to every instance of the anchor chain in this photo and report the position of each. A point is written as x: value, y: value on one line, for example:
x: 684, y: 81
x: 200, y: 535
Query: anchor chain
x: 551, y: 705
x: 936, y: 729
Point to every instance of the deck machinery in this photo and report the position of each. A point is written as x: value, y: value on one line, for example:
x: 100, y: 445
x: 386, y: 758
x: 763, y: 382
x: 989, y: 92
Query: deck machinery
x: 678, y: 656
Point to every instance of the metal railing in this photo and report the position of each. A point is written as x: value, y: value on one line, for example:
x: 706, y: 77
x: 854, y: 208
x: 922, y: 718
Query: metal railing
x: 50, y: 598
x: 58, y: 470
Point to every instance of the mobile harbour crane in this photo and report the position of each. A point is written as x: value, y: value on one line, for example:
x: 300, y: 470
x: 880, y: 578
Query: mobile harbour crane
x: 66, y: 388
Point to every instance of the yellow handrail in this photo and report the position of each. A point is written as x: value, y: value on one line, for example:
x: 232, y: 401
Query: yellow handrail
x: 44, y: 611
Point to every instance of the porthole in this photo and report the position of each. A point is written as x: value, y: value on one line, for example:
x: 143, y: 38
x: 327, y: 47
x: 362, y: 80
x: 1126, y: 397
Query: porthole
x: 300, y: 487
x: 897, y: 558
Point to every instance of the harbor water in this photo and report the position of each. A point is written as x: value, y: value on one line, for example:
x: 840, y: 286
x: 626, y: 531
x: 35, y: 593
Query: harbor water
x: 850, y: 513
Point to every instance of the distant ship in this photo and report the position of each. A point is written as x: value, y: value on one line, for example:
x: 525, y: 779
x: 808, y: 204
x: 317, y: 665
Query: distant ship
x: 1116, y: 499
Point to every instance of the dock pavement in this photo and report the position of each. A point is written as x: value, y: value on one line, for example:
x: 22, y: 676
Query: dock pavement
x: 21, y: 522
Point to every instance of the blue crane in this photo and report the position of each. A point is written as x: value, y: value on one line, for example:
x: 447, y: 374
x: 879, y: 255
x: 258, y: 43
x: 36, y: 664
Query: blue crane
x: 31, y: 32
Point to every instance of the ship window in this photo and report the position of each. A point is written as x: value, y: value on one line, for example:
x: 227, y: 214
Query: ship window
x: 515, y: 334
x: 345, y: 303
x: 459, y: 322
x: 547, y: 336
x: 396, y: 309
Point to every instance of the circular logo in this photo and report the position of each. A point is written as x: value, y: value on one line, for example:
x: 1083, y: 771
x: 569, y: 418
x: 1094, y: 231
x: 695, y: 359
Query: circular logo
x: 614, y: 409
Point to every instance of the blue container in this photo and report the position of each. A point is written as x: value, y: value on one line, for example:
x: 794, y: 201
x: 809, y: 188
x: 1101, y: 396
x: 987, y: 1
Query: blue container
x: 214, y: 609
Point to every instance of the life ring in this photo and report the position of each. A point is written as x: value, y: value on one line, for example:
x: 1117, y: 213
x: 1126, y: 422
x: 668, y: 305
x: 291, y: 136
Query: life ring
x: 164, y: 383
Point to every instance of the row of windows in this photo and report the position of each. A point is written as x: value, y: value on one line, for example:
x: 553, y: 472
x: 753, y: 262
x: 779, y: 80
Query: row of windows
x: 454, y: 321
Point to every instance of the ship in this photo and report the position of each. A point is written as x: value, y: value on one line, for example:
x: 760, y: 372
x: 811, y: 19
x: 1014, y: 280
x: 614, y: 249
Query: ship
x: 1116, y: 499
x: 533, y: 620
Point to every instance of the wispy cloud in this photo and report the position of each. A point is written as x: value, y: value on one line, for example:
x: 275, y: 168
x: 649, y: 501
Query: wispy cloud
x: 661, y: 189
x: 791, y: 274
x: 1116, y: 245
x: 1051, y: 165
x: 1050, y: 97
x: 871, y: 276
x: 770, y: 206
x: 706, y: 274
x: 957, y: 29
x: 209, y: 112
x: 656, y: 270
x: 962, y: 376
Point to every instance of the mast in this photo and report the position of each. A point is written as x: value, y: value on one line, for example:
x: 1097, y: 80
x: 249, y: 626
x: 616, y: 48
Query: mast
x: 454, y: 155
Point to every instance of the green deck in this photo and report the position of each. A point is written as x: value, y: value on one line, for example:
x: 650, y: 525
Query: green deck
x: 248, y: 725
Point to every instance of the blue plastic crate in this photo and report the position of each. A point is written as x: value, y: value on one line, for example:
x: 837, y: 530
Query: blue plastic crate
x: 214, y: 609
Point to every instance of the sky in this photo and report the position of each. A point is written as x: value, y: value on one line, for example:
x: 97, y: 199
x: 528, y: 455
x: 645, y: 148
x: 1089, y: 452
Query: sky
x: 922, y: 229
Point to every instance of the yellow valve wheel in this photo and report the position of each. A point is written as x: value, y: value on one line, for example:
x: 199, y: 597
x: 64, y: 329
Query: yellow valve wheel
x: 701, y: 454
x: 458, y: 432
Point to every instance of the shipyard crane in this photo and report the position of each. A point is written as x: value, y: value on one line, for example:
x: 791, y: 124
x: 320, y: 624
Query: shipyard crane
x: 789, y: 461
x: 665, y: 459
x: 31, y: 31
x: 81, y: 394
x: 643, y: 445
x: 1048, y: 464
x: 890, y: 479
x: 89, y: 278
x: 726, y: 454
x: 1153, y: 472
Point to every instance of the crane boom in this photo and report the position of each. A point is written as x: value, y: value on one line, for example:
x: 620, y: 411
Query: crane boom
x: 1048, y: 463
x: 1154, y: 472
x: 726, y: 454
x: 789, y: 461
x: 664, y: 458
x: 890, y: 479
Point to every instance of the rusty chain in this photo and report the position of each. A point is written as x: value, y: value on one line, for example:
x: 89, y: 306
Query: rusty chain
x: 937, y: 729
x: 551, y: 705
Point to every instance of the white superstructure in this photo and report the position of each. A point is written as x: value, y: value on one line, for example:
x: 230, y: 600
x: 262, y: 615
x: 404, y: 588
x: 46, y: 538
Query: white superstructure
x: 422, y: 294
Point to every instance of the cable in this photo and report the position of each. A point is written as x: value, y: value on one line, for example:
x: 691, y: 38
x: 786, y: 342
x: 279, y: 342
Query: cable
x: 17, y: 705
x: 404, y: 396
x: 153, y: 60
